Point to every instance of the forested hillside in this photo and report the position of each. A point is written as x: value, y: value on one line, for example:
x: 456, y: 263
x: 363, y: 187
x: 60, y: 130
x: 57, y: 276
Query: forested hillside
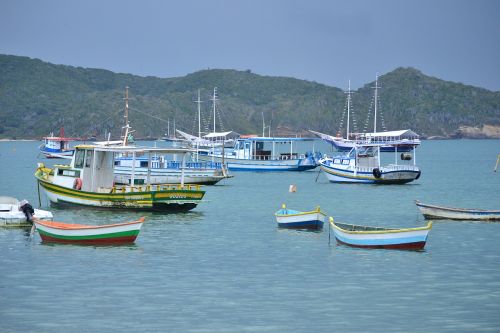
x: 38, y: 97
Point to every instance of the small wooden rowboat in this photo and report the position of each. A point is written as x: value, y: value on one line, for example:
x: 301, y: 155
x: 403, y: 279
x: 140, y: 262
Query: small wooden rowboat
x: 449, y: 213
x: 376, y: 237
x: 288, y: 218
x: 58, y: 232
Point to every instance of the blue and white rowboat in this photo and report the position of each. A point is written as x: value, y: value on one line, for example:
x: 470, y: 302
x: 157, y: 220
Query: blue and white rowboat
x: 449, y: 213
x: 376, y: 237
x: 289, y: 218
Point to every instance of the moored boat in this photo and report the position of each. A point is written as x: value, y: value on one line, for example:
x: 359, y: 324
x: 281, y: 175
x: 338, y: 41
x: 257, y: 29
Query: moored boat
x: 289, y: 218
x: 89, y: 181
x: 362, y: 165
x: 57, y: 146
x: 58, y: 232
x: 378, y: 237
x: 17, y: 214
x: 450, y: 213
x: 264, y: 154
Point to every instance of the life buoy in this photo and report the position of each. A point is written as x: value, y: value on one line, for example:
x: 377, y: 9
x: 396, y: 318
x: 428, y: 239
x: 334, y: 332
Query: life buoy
x: 376, y: 173
x: 77, y: 184
x: 418, y: 174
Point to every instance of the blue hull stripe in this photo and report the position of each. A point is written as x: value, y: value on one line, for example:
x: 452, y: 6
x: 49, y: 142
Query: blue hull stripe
x: 375, y: 242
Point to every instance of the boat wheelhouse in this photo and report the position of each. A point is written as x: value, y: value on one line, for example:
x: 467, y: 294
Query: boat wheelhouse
x: 265, y: 154
x: 89, y: 181
x: 362, y: 165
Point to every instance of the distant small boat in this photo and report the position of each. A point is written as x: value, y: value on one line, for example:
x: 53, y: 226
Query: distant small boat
x: 58, y: 232
x: 57, y: 146
x: 288, y: 218
x: 377, y: 237
x: 12, y: 214
x: 449, y: 213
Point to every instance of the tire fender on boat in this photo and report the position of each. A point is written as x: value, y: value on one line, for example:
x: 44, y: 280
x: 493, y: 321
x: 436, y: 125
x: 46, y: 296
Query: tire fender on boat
x: 77, y: 184
x: 376, y: 173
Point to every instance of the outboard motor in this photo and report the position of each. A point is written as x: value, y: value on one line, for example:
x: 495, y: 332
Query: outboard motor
x: 27, y: 209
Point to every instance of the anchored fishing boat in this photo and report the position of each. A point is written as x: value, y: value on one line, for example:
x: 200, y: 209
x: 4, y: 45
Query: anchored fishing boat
x: 14, y: 213
x: 377, y: 237
x: 390, y: 141
x: 164, y: 171
x: 450, y: 213
x: 89, y: 181
x: 289, y: 218
x: 362, y: 165
x: 57, y: 146
x: 264, y: 154
x: 70, y: 233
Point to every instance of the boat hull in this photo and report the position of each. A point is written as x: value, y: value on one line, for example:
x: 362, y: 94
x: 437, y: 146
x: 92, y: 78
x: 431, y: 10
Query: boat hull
x: 408, y: 239
x: 164, y: 198
x: 300, y: 220
x: 387, y: 175
x: 87, y: 235
x: 449, y: 213
x: 235, y: 164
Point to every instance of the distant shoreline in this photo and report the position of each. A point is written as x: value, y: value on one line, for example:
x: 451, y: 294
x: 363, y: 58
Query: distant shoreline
x: 9, y: 140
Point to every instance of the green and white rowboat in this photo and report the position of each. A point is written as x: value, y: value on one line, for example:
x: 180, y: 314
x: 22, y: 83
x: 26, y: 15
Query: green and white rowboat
x: 58, y: 232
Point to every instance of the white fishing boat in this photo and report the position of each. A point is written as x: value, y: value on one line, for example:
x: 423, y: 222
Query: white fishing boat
x: 17, y: 214
x: 294, y: 219
x: 89, y: 181
x: 265, y: 154
x: 390, y: 141
x: 362, y: 165
x: 450, y: 213
x: 165, y: 171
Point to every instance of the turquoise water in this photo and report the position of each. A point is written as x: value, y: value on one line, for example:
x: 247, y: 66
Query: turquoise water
x: 226, y: 267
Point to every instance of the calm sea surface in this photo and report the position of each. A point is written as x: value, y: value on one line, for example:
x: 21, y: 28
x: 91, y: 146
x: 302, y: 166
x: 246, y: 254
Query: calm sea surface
x: 225, y: 267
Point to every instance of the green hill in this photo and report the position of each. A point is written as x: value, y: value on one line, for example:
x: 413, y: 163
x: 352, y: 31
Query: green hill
x: 37, y: 97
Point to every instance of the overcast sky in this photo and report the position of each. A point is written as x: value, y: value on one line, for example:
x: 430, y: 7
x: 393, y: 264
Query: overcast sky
x: 318, y: 40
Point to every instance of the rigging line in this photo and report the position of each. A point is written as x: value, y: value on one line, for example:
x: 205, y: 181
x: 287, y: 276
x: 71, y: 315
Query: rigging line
x: 103, y: 121
x: 147, y: 114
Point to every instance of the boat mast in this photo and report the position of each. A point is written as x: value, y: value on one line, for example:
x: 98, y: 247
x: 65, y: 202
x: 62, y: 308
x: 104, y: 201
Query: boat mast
x: 214, y: 99
x: 376, y: 102
x: 126, y: 127
x: 199, y: 114
x: 263, y: 126
x: 348, y: 107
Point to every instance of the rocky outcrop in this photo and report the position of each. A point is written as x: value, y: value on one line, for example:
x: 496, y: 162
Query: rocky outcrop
x: 484, y: 132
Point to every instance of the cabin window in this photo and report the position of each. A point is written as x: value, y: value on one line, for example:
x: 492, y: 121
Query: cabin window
x: 68, y: 173
x: 259, y: 145
x: 346, y: 162
x: 79, y: 157
x: 88, y: 158
x: 336, y: 161
x: 144, y: 164
x: 247, y: 145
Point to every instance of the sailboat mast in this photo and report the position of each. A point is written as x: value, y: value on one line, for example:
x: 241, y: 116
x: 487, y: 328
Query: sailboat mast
x: 348, y: 107
x: 376, y: 102
x: 214, y: 99
x: 199, y: 114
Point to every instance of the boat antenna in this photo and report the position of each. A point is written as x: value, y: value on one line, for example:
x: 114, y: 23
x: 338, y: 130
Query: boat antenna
x: 214, y: 100
x: 263, y: 126
x: 199, y: 114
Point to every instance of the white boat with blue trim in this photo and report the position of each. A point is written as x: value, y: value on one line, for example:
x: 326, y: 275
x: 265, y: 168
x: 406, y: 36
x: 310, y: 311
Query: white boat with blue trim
x: 289, y: 218
x: 450, y: 213
x: 264, y: 154
x: 57, y: 146
x: 362, y: 165
x: 378, y: 237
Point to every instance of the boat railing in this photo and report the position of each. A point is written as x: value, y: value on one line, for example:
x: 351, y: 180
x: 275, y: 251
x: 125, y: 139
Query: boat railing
x: 149, y: 188
x: 390, y: 167
x: 194, y: 165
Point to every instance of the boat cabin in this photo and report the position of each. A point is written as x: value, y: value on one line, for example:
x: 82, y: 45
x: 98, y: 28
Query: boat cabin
x: 263, y: 148
x: 92, y: 167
